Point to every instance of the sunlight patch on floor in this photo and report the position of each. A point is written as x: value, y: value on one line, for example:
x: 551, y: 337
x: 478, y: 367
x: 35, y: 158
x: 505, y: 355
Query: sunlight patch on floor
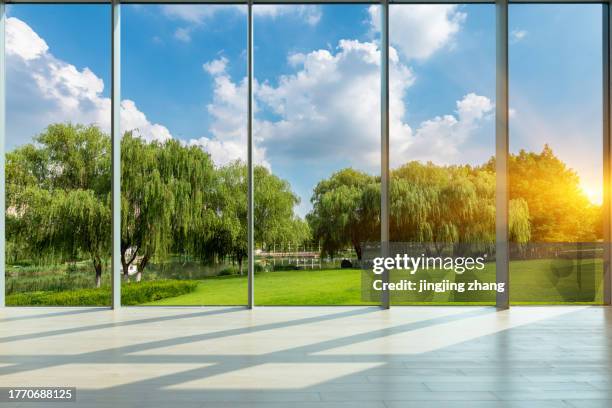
x: 277, y: 376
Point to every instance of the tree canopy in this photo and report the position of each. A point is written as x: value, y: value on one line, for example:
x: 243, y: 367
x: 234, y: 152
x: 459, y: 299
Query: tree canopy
x: 58, y: 194
x: 559, y: 210
x: 174, y: 200
x: 455, y: 204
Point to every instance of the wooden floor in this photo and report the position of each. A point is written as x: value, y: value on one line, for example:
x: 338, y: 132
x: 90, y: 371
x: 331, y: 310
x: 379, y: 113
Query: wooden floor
x: 300, y: 357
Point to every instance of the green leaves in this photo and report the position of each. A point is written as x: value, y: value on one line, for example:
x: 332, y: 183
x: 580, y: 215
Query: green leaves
x: 346, y: 211
x: 173, y: 200
x: 428, y: 203
x: 58, y: 193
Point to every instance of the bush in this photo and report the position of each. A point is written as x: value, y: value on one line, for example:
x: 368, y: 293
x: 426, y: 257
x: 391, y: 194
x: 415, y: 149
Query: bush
x: 81, y: 297
x: 346, y: 264
x: 230, y: 270
x: 262, y: 267
x: 131, y: 294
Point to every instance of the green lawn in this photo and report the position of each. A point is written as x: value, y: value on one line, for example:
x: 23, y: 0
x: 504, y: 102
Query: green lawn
x: 532, y: 282
x: 326, y: 287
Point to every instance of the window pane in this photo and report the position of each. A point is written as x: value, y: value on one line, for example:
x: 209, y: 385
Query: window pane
x: 183, y: 178
x: 58, y: 155
x: 442, y: 143
x: 556, y: 153
x: 317, y: 134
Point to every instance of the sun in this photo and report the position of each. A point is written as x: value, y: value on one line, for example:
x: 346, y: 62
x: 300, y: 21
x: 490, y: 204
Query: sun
x: 594, y: 194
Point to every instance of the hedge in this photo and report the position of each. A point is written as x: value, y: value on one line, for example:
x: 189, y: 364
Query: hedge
x: 131, y: 294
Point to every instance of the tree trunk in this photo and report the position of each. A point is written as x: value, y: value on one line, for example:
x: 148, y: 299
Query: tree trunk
x: 357, y: 248
x: 141, y: 265
x: 240, y: 265
x: 125, y: 264
x: 97, y: 262
x: 125, y: 267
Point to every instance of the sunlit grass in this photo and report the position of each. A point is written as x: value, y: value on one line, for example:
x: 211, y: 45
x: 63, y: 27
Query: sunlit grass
x: 532, y: 282
x: 326, y: 287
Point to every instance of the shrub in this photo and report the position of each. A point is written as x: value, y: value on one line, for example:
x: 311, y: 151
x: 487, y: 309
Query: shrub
x: 143, y: 292
x: 346, y: 264
x: 230, y: 270
x: 131, y: 294
x: 262, y: 267
x: 81, y: 297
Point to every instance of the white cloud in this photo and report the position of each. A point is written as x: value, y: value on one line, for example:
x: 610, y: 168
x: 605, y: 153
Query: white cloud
x: 43, y: 89
x: 228, y: 131
x: 22, y: 41
x: 419, y: 30
x: 472, y: 108
x: 440, y: 139
x: 183, y: 34
x: 136, y: 121
x: 331, y: 105
x: 517, y: 35
x: 192, y: 13
x: 216, y: 67
x: 309, y: 13
x: 329, y: 108
x: 195, y: 15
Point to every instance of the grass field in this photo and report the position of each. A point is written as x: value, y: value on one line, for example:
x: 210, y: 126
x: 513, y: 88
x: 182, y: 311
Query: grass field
x: 326, y: 287
x: 532, y: 282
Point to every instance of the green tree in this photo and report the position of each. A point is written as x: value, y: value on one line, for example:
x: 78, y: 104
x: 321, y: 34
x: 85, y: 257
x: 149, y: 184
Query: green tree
x: 274, y: 204
x: 166, y: 197
x: 559, y: 210
x: 519, y: 225
x: 346, y: 211
x: 58, y: 202
x: 428, y: 203
x: 275, y: 219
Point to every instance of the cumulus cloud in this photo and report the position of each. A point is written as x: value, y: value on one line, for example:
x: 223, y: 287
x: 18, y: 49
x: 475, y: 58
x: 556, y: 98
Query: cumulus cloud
x: 227, y: 138
x: 330, y: 107
x: 216, y: 67
x: 419, y: 30
x: 44, y: 89
x: 22, y: 41
x: 132, y: 119
x: 440, y: 139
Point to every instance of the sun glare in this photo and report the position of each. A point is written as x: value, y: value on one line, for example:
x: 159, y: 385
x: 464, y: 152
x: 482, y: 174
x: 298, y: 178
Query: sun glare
x: 594, y: 194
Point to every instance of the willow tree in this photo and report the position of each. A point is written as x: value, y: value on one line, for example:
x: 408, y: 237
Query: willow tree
x: 58, y: 188
x: 346, y: 211
x: 442, y: 205
x: 166, y: 195
x: 274, y: 216
x: 275, y: 220
x: 229, y: 229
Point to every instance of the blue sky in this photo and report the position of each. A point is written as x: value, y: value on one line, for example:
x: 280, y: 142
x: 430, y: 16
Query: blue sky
x: 317, y: 87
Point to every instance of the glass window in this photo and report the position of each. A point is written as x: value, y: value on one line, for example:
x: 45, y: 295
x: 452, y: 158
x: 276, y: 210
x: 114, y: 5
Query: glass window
x: 317, y: 135
x: 58, y: 155
x: 556, y: 153
x: 183, y: 152
x: 442, y: 147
